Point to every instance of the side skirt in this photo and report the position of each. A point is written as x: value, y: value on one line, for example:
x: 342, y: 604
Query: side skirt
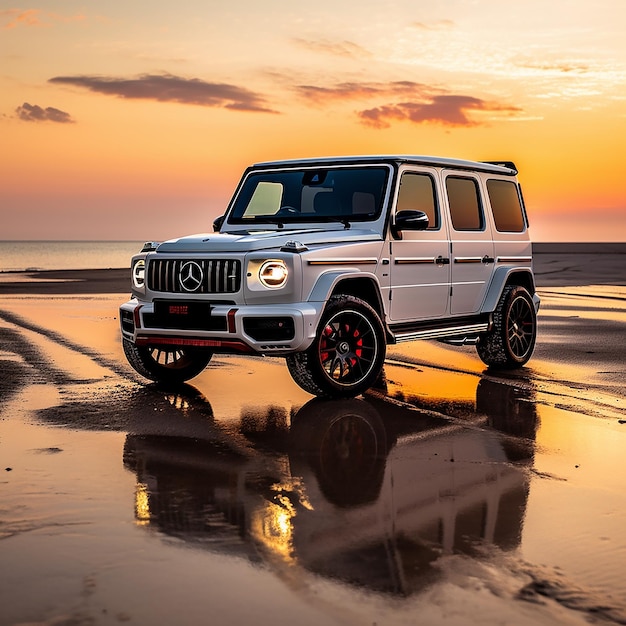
x: 459, y: 331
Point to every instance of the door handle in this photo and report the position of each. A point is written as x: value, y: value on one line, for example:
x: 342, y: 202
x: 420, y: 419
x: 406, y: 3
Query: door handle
x: 488, y: 259
x: 442, y: 261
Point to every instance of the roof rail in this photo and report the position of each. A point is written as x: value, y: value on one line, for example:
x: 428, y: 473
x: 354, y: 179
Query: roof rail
x: 508, y: 164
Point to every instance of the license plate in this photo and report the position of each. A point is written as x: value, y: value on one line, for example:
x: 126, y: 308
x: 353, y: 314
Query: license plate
x: 178, y: 309
x: 182, y: 310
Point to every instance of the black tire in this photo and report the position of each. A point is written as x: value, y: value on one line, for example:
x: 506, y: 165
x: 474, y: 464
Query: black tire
x: 167, y: 364
x: 511, y: 341
x: 347, y: 354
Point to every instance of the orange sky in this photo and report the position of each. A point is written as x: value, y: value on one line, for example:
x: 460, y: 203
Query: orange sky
x: 134, y: 121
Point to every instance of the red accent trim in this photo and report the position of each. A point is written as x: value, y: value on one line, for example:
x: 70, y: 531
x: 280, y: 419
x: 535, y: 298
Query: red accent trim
x: 136, y: 317
x: 219, y: 344
x: 230, y: 317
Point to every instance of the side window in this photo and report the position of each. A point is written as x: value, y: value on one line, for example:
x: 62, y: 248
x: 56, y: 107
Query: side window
x: 464, y: 200
x: 417, y: 192
x: 506, y: 206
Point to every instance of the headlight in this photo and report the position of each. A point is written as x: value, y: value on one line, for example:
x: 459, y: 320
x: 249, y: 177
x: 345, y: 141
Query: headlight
x: 138, y: 273
x: 273, y: 274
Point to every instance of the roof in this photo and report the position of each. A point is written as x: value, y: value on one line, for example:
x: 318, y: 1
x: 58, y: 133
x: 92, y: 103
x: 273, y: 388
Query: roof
x: 497, y: 167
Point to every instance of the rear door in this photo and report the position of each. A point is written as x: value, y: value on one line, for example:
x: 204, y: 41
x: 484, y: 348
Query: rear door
x: 419, y: 261
x: 472, y: 250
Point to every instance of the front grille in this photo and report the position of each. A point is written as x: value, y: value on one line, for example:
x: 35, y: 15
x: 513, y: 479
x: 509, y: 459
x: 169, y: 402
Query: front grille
x: 194, y: 275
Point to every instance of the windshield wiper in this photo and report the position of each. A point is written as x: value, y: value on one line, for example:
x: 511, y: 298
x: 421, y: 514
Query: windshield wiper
x: 282, y: 221
x: 334, y: 218
x: 279, y: 221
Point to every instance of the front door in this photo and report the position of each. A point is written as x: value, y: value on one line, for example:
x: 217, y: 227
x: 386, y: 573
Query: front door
x: 419, y: 261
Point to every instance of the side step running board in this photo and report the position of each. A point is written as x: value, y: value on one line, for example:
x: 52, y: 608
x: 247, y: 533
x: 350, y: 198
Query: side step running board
x: 441, y: 333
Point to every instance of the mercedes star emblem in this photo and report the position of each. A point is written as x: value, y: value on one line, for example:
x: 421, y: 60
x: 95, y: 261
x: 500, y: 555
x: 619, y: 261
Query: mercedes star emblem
x: 191, y: 276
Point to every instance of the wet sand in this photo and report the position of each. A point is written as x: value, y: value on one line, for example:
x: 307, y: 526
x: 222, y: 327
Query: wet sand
x: 450, y: 496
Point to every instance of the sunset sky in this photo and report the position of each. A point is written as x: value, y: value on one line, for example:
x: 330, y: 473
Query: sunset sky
x: 134, y: 120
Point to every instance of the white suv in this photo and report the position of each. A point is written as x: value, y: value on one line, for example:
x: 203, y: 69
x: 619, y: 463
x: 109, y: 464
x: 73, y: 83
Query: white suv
x: 326, y: 261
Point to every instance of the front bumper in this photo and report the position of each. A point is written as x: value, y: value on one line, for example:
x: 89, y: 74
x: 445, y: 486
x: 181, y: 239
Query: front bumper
x: 225, y: 328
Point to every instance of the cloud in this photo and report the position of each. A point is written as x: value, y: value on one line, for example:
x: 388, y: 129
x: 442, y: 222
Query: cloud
x: 170, y: 88
x: 438, y: 25
x: 356, y: 91
x: 12, y: 18
x: 448, y: 110
x: 34, y: 113
x: 334, y: 48
x: 18, y: 17
x: 410, y: 101
x: 562, y: 67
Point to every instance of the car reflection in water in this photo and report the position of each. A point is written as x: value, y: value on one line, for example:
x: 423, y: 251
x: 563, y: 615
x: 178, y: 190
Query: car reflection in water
x: 343, y: 492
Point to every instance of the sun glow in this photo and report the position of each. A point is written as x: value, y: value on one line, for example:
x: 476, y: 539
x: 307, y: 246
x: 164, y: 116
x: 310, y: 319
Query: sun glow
x: 117, y: 120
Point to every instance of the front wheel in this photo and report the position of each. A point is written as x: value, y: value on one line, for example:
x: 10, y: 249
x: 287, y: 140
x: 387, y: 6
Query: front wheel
x: 347, y: 354
x: 511, y: 341
x: 166, y: 365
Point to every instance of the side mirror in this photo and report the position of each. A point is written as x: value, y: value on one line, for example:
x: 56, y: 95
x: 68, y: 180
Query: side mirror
x: 409, y: 219
x: 217, y: 223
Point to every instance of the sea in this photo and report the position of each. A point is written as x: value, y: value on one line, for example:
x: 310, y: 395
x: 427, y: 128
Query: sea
x: 20, y: 256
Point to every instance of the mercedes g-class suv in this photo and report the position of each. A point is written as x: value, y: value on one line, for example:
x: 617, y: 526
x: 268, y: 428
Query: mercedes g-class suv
x: 326, y: 261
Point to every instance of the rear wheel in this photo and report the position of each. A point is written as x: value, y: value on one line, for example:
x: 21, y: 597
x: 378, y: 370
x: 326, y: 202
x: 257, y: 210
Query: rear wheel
x: 348, y: 352
x: 166, y: 364
x: 511, y: 341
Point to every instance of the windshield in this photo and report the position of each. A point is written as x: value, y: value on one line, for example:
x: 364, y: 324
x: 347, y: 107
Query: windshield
x: 324, y: 194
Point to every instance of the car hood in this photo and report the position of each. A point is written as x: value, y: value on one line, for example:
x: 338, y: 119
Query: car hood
x: 264, y: 240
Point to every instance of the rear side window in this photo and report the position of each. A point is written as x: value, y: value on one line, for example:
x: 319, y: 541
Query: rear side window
x: 506, y: 206
x: 417, y: 192
x: 465, y: 209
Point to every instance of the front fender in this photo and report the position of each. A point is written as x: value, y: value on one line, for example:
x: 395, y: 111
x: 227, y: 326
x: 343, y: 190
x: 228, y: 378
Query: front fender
x: 328, y: 281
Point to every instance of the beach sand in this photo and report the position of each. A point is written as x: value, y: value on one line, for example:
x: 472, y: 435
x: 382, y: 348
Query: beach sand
x: 495, y: 498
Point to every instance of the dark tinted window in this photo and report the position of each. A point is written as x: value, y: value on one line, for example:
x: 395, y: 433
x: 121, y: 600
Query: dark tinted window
x: 417, y: 192
x: 506, y: 206
x: 464, y: 201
